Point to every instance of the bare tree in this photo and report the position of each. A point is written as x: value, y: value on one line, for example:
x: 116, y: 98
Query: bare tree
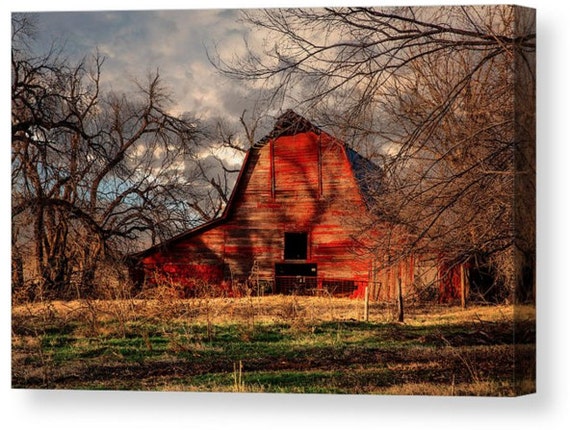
x: 91, y: 173
x: 444, y: 97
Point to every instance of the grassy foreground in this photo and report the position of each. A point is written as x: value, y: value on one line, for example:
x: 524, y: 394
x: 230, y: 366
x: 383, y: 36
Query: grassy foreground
x: 272, y: 344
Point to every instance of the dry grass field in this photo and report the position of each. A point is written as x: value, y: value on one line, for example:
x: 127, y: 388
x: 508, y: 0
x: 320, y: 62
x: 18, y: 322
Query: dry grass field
x: 273, y: 344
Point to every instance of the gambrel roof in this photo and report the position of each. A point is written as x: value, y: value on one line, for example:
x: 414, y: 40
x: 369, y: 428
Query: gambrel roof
x: 288, y: 124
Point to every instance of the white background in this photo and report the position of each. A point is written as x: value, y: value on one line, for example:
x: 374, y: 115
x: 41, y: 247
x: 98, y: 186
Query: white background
x: 549, y: 408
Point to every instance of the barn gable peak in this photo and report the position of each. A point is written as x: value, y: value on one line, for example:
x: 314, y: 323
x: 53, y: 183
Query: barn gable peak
x: 289, y: 123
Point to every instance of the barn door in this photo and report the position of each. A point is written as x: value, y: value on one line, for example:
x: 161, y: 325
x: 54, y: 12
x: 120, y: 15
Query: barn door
x: 296, y: 278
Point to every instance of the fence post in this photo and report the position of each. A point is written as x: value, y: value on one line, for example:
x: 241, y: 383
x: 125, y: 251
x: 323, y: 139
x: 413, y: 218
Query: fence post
x: 366, y: 304
x: 400, y: 301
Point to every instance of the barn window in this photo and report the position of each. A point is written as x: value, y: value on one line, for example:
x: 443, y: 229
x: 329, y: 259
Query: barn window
x: 295, y: 246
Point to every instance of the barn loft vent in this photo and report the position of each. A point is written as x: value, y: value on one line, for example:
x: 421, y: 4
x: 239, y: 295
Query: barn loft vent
x: 295, y: 246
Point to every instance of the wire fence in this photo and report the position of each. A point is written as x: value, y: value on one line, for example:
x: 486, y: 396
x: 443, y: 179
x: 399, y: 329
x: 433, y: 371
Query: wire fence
x: 310, y: 285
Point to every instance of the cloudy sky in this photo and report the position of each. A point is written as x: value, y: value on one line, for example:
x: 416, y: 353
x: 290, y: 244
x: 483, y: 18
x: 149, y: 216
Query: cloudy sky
x: 175, y: 42
x: 168, y: 37
x: 140, y: 37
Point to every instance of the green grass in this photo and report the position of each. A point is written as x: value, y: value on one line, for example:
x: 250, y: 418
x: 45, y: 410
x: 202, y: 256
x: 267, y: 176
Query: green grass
x: 453, y: 353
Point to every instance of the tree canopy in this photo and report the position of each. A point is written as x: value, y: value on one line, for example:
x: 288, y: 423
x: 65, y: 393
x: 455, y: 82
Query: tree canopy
x: 93, y: 173
x: 442, y: 97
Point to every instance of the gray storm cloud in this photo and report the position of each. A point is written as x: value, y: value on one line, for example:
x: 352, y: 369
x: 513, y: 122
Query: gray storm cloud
x: 135, y: 43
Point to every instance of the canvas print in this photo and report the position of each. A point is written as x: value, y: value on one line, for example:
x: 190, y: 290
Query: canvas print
x: 312, y: 200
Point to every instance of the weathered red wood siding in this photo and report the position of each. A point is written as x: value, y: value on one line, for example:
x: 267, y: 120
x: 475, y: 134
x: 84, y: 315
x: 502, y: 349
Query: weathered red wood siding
x: 189, y: 264
x: 449, y: 283
x: 300, y: 183
x: 388, y: 277
x: 311, y: 190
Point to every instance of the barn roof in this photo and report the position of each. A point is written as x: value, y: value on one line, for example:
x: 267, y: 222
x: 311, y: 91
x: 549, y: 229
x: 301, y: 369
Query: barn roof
x: 366, y: 174
x: 288, y: 124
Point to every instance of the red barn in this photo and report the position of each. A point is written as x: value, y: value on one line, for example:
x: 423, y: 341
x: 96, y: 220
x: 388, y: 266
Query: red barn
x: 285, y: 227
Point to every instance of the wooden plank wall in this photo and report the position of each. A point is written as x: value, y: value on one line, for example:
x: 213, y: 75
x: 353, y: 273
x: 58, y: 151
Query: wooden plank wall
x: 300, y: 183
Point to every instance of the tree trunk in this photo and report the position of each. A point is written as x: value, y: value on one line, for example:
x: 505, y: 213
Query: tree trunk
x: 400, y: 302
x: 17, y: 270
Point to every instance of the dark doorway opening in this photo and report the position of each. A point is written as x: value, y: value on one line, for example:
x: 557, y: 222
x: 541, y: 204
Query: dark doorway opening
x: 291, y: 278
x: 292, y: 269
x: 295, y: 246
x: 484, y: 285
